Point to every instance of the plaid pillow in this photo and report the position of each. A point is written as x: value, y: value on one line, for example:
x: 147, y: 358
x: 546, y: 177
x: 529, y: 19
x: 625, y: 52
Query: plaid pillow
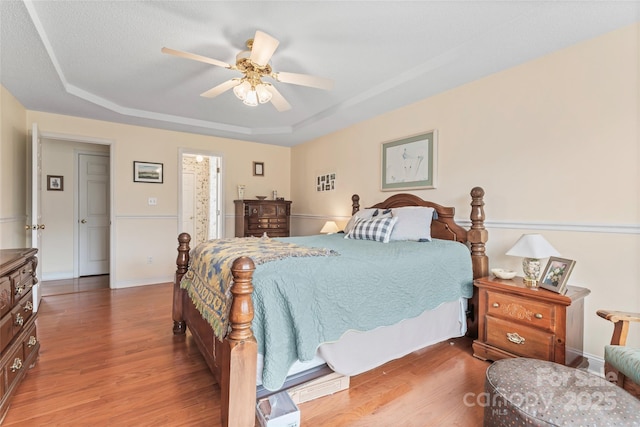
x: 378, y: 229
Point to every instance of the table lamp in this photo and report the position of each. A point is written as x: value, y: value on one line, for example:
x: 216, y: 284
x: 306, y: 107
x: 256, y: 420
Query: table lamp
x: 329, y: 227
x: 532, y: 247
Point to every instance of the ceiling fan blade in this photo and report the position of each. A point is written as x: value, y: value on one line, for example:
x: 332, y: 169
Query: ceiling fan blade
x: 277, y: 99
x: 263, y: 47
x: 221, y: 88
x: 195, y: 57
x: 304, y: 80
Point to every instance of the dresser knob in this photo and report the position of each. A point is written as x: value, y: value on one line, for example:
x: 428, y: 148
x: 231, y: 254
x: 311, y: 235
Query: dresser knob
x: 19, y: 320
x: 515, y: 338
x: 496, y: 305
x: 17, y: 364
x: 32, y: 341
x: 28, y: 306
x: 538, y: 315
x: 19, y: 290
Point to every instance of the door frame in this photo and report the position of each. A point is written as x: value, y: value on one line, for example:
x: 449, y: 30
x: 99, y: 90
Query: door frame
x: 195, y: 152
x: 112, y: 235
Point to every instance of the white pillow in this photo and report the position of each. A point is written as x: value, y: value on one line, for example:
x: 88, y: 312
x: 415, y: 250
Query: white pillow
x: 364, y: 214
x: 414, y: 223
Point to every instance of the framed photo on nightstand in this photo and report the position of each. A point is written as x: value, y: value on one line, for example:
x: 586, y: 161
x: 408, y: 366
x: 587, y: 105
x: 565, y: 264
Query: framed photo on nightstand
x: 556, y: 274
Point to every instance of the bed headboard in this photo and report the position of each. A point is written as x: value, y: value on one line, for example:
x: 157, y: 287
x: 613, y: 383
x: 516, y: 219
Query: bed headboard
x: 443, y: 226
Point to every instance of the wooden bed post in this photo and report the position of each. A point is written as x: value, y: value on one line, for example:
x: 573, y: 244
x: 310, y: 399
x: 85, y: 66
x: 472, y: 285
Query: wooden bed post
x: 240, y: 352
x: 478, y: 235
x: 182, y: 262
x: 355, y: 204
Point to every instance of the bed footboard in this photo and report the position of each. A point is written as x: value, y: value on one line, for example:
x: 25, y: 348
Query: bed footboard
x: 236, y: 368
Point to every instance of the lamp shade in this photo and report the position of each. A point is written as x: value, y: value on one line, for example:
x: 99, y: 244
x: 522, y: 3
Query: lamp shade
x: 532, y: 246
x: 329, y: 227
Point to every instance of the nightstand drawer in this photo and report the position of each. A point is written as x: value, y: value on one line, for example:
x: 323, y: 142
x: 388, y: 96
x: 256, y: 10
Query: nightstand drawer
x: 519, y: 339
x: 531, y: 313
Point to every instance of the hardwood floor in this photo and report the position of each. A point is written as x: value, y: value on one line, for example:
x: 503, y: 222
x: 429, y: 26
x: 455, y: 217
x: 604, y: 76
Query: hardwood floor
x: 67, y: 286
x: 108, y: 357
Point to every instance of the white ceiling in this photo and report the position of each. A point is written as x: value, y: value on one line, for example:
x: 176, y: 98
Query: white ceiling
x: 102, y: 59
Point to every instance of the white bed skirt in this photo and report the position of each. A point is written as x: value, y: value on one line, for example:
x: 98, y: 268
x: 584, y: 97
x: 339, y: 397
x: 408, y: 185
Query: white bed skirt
x: 357, y: 352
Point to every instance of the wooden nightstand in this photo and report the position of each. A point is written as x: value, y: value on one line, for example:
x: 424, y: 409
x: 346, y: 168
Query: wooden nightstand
x: 514, y: 320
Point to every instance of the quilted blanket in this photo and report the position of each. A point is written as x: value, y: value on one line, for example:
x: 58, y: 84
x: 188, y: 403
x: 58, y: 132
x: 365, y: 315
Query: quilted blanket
x: 209, y: 276
x: 302, y: 302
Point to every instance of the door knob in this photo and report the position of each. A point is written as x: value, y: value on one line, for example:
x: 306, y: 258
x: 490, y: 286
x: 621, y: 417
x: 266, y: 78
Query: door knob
x: 84, y: 221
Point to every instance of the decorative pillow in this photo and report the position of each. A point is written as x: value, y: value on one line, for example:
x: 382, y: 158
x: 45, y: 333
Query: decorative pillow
x: 414, y: 223
x: 378, y: 229
x: 365, y: 214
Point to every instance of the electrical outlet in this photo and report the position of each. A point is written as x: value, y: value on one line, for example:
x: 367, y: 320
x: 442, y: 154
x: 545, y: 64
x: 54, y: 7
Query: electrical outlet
x: 149, y: 260
x: 153, y: 201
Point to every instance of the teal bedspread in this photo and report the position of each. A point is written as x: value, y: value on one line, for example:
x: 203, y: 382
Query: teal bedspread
x: 301, y: 303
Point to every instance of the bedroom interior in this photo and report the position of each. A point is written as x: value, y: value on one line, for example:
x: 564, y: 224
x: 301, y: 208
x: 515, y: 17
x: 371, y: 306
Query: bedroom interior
x: 553, y: 139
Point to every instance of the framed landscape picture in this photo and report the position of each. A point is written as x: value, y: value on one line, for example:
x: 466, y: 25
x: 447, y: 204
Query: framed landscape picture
x: 409, y: 163
x: 147, y: 172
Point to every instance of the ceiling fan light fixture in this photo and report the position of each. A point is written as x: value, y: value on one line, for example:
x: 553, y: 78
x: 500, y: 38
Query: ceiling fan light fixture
x: 242, y: 90
x: 251, y: 99
x: 263, y: 93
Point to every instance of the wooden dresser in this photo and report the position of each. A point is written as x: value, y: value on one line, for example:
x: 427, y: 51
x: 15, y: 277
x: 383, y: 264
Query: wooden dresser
x: 255, y: 217
x: 18, y: 340
x: 514, y: 320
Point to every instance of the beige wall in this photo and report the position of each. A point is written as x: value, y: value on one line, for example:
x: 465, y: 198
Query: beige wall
x: 13, y: 171
x: 555, y: 144
x: 141, y: 231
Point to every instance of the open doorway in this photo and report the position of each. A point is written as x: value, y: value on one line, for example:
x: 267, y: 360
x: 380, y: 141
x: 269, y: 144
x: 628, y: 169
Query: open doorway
x: 70, y: 168
x: 200, y: 195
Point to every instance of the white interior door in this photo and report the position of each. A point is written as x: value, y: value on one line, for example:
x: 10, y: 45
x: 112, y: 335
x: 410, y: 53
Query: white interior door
x: 189, y: 203
x: 34, y: 222
x: 93, y: 214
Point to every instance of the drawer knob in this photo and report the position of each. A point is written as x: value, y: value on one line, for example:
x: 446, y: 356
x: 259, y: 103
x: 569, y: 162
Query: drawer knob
x: 538, y: 315
x: 32, y: 341
x: 19, y: 320
x: 515, y: 338
x: 19, y: 290
x: 17, y: 364
x: 496, y: 305
x: 28, y: 306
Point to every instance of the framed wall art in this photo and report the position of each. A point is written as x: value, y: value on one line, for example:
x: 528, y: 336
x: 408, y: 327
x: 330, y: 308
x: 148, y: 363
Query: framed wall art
x: 147, y: 172
x: 258, y: 168
x: 556, y: 274
x: 410, y: 163
x: 55, y: 183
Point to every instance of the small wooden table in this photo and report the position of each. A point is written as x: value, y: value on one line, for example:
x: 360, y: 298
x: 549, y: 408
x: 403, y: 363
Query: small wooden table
x: 514, y: 320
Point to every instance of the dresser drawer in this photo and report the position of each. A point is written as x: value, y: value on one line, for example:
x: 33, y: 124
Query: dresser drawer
x: 24, y: 308
x: 526, y: 311
x: 14, y: 365
x: 6, y: 331
x: 30, y: 343
x: 5, y: 295
x: 506, y: 334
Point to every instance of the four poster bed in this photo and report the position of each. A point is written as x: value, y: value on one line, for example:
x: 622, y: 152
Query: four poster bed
x: 323, y: 292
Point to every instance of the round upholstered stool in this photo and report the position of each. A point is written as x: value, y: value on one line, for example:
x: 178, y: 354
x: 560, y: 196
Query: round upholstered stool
x: 531, y: 392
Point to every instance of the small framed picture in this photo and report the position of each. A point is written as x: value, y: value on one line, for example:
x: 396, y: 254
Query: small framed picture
x: 55, y: 183
x: 147, y: 172
x: 258, y: 168
x: 556, y: 274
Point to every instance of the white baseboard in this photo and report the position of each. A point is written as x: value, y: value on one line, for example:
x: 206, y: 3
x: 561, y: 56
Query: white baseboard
x: 57, y: 275
x: 596, y: 364
x: 121, y: 284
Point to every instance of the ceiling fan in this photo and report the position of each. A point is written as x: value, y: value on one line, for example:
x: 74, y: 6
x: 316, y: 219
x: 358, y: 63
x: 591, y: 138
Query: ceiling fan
x: 254, y: 64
